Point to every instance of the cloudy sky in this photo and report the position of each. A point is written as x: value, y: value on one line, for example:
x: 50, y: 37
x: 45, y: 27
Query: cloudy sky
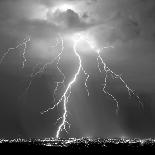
x: 128, y: 26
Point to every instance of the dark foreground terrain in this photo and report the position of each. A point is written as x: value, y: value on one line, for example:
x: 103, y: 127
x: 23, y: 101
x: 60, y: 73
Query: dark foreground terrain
x: 76, y: 145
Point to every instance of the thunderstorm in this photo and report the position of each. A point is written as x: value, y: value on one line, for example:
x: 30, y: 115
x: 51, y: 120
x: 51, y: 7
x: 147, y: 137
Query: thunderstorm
x: 68, y: 90
x: 72, y: 69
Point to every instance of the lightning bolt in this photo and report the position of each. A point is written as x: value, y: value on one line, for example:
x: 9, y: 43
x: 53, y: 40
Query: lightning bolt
x: 67, y: 94
x: 64, y: 99
x: 41, y: 70
x: 22, y: 44
x: 114, y: 76
x: 106, y: 69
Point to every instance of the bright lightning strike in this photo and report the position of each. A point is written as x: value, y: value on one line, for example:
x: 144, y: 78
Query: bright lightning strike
x: 67, y: 93
x: 78, y: 40
x: 22, y: 44
x: 114, y: 75
x: 42, y: 69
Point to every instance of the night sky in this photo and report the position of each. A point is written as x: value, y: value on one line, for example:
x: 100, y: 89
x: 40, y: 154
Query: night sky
x: 127, y: 25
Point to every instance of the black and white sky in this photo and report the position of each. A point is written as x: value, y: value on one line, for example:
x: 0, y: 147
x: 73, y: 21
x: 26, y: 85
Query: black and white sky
x: 127, y: 25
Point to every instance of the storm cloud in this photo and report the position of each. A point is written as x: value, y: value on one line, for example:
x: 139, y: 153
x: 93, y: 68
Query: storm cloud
x: 128, y: 26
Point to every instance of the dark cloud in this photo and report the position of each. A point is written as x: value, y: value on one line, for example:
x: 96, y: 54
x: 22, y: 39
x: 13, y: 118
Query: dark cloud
x: 118, y: 29
x: 129, y: 19
x: 68, y: 20
x: 125, y: 29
